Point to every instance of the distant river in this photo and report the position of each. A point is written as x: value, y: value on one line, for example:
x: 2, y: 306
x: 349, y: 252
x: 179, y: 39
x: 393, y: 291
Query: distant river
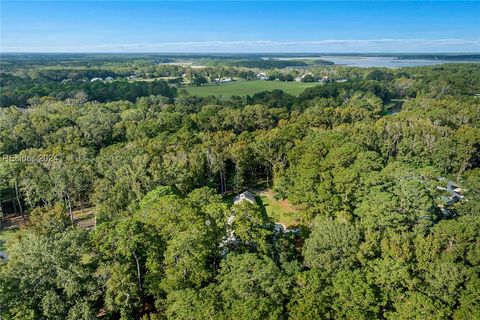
x: 389, y: 62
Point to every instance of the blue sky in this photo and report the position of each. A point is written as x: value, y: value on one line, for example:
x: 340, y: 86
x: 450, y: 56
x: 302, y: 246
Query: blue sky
x: 246, y: 26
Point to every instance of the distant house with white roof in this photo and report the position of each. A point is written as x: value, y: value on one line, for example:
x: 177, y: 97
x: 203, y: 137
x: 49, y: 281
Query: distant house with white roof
x: 453, y: 195
x: 262, y: 76
x: 245, y: 196
x: 222, y: 80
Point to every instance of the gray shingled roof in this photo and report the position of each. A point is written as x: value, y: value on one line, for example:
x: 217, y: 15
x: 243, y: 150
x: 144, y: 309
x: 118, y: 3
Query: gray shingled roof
x: 245, y: 196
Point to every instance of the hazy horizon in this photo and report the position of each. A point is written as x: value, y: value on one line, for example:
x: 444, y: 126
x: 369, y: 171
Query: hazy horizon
x: 240, y: 27
x: 303, y: 54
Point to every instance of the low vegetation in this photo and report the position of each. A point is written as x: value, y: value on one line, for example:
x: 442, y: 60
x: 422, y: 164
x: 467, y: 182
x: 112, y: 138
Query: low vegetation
x: 5, y: 236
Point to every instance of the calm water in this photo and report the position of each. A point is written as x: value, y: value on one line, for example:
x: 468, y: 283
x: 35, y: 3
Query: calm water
x: 389, y: 62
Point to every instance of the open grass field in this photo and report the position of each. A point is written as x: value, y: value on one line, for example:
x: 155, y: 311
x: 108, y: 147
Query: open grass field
x: 280, y: 210
x: 242, y: 88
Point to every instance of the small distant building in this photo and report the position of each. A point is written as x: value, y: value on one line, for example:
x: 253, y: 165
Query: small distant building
x: 302, y: 77
x: 96, y: 79
x: 279, y: 227
x: 454, y: 195
x: 451, y: 187
x: 230, y: 238
x: 222, y: 80
x: 342, y: 80
x: 262, y: 76
x: 108, y: 79
x: 245, y: 196
x: 3, y: 256
x: 323, y: 79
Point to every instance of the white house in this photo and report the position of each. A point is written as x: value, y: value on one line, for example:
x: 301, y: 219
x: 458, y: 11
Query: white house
x: 262, y: 76
x: 96, y: 79
x: 300, y: 78
x: 222, y: 80
x: 323, y: 79
x: 246, y: 196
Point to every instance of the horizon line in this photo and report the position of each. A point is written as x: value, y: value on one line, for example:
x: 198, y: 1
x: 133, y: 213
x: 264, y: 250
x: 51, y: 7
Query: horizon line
x: 239, y: 53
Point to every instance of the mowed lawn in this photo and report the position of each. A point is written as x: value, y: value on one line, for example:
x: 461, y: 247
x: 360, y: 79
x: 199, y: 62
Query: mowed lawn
x: 242, y: 88
x: 280, y: 210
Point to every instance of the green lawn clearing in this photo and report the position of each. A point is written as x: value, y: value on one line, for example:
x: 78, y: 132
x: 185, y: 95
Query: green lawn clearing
x: 242, y: 88
x: 281, y: 211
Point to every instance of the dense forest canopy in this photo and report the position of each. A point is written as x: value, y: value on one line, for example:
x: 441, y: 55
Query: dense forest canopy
x: 383, y: 167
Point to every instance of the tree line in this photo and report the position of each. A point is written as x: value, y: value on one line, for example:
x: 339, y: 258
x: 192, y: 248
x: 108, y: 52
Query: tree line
x: 376, y: 240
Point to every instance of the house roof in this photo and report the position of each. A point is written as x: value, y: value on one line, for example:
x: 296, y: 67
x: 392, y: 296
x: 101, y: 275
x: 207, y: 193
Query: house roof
x: 451, y: 186
x: 247, y: 195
